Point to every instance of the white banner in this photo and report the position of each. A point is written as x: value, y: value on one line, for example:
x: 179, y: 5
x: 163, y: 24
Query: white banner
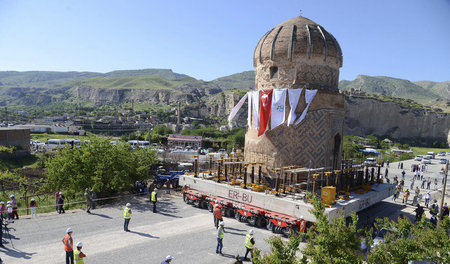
x: 278, y: 107
x: 309, y: 96
x: 294, y: 96
x: 236, y: 108
x: 249, y: 110
x: 255, y: 103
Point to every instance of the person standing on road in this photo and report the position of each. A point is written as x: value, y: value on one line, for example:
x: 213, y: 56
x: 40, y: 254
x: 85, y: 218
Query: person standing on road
x: 61, y: 203
x: 405, y: 196
x: 217, y: 216
x: 395, y: 196
x: 416, y: 194
x: 445, y: 211
x: 88, y: 199
x: 434, y: 208
x: 427, y: 199
x: 68, y: 246
x: 412, y: 184
x: 127, y: 217
x: 423, y: 183
x: 14, y: 206
x: 435, y: 185
x: 33, y: 207
x: 428, y: 183
x: 419, y: 212
x: 154, y: 199
x: 57, y: 200
x: 94, y: 197
x: 2, y: 209
x: 403, y: 174
x: 79, y: 256
x: 220, y: 232
x: 168, y: 260
x: 249, y: 244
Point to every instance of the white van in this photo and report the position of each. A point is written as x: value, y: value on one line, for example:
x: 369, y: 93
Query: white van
x: 431, y: 153
x: 133, y: 143
x: 144, y: 144
x: 53, y: 144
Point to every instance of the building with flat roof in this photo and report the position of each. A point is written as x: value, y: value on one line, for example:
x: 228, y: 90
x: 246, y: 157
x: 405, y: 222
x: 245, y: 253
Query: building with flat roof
x: 177, y: 140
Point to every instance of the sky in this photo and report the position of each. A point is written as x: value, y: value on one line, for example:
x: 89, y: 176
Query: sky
x: 208, y: 39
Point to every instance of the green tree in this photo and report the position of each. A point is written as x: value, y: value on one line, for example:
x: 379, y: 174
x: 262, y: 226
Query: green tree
x: 281, y: 252
x: 102, y: 166
x: 334, y: 242
x: 406, y: 241
x: 158, y: 133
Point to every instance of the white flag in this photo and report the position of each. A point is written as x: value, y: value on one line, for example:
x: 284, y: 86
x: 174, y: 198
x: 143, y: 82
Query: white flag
x: 249, y: 110
x: 236, y: 108
x: 278, y: 107
x: 309, y: 96
x: 255, y: 102
x: 294, y: 95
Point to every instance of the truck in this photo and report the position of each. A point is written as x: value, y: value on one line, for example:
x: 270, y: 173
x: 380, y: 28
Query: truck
x: 285, y: 209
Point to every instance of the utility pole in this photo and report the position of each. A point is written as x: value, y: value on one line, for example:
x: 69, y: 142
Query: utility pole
x: 443, y: 189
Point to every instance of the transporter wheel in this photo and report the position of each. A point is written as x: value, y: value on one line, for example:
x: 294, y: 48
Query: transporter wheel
x: 260, y: 221
x: 252, y: 220
x: 159, y: 185
x: 270, y: 226
x: 229, y: 212
x: 203, y: 204
x: 237, y: 215
x: 210, y: 207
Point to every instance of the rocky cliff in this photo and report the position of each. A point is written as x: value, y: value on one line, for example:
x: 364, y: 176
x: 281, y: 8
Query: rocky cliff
x: 366, y: 116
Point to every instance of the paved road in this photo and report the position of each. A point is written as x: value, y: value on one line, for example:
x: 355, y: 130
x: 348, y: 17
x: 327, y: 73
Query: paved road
x: 178, y: 229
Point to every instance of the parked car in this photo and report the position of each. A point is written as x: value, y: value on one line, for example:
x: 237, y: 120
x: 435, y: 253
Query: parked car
x: 441, y: 153
x: 448, y: 153
x: 431, y: 153
x: 443, y: 161
x: 426, y: 161
x: 370, y: 161
x: 428, y: 156
x: 418, y: 158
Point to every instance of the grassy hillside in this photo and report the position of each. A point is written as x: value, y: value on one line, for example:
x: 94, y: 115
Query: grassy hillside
x: 390, y: 86
x: 243, y: 80
x: 41, y: 79
x: 134, y: 82
x: 164, y: 73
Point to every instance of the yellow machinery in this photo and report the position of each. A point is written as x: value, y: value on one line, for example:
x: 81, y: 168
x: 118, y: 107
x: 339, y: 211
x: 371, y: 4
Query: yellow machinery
x: 328, y: 195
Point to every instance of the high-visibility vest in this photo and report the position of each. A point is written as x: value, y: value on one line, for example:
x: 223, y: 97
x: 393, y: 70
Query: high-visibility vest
x: 221, y: 232
x: 153, y: 196
x: 218, y: 213
x: 248, y: 241
x: 77, y: 258
x: 66, y: 243
x: 127, y: 213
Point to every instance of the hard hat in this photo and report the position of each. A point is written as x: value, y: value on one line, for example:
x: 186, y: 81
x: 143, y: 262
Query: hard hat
x: 79, y: 244
x: 128, y: 205
x: 217, y: 205
x: 217, y: 201
x: 8, y: 202
x: 69, y: 230
x: 221, y: 223
x: 33, y: 199
x: 60, y: 192
x: 251, y: 232
x: 87, y: 189
x: 12, y: 195
x: 169, y: 257
x: 301, y: 217
x: 2, y: 202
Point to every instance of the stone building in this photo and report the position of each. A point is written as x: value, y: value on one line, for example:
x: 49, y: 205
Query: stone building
x: 15, y: 137
x: 300, y: 53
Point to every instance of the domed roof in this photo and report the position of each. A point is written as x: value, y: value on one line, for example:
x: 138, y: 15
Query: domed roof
x: 298, y: 38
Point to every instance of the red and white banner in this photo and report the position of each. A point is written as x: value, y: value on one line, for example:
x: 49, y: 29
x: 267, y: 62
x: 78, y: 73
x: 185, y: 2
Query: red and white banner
x: 264, y: 112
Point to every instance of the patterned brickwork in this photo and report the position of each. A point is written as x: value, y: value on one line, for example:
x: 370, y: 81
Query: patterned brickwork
x: 311, y: 140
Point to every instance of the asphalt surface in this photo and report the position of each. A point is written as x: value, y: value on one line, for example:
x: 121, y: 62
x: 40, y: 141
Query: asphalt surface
x: 178, y: 229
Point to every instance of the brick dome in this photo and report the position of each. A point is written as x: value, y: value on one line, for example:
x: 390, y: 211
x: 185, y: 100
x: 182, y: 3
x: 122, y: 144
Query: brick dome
x: 298, y: 53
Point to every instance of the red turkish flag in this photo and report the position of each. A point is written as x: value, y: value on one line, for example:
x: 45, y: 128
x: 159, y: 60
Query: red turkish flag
x: 265, y: 105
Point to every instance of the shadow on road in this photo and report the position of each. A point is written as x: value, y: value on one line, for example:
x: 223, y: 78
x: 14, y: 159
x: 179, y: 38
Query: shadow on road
x: 102, y: 215
x: 233, y: 233
x: 391, y: 210
x: 235, y: 229
x: 228, y: 256
x: 16, y: 253
x: 144, y: 234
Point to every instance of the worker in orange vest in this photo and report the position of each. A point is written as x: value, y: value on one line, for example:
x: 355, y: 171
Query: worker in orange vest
x: 217, y: 216
x: 68, y: 246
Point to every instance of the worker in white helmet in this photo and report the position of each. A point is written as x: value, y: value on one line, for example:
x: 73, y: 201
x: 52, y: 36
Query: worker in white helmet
x: 168, y: 260
x: 127, y: 217
x: 220, y: 233
x: 249, y: 244
x: 68, y: 246
x: 79, y: 256
x: 217, y: 215
x: 14, y: 206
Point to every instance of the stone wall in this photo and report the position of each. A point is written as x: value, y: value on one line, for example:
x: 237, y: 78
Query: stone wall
x: 15, y: 137
x: 364, y: 116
